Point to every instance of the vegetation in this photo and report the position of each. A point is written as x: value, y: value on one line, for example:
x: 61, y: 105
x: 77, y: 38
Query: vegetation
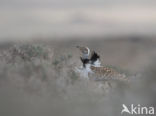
x: 39, y: 79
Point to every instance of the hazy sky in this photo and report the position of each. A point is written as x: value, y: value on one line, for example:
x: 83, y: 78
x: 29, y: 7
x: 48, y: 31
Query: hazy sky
x: 63, y: 18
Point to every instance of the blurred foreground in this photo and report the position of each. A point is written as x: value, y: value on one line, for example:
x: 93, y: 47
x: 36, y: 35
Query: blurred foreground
x: 37, y: 78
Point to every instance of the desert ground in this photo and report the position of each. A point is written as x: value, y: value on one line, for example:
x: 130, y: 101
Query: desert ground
x: 37, y: 77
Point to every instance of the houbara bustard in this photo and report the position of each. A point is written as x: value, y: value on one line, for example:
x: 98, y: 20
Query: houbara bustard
x: 85, y: 51
x: 102, y: 73
x: 88, y: 54
x: 93, y: 70
x: 85, y: 54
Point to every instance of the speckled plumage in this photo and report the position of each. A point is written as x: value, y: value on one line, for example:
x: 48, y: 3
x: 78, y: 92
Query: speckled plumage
x: 107, y: 73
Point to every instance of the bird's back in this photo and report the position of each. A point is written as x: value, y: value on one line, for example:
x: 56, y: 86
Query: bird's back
x: 107, y: 73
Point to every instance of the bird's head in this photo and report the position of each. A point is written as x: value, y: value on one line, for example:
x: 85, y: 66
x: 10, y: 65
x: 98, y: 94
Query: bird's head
x: 84, y: 50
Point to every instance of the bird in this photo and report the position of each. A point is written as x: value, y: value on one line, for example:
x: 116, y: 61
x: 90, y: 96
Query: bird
x: 85, y: 51
x: 94, y: 57
x: 102, y: 72
x: 85, y: 54
x: 92, y: 70
x: 88, y: 54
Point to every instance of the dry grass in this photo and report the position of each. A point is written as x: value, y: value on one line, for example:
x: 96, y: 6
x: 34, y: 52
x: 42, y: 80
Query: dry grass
x: 37, y: 79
